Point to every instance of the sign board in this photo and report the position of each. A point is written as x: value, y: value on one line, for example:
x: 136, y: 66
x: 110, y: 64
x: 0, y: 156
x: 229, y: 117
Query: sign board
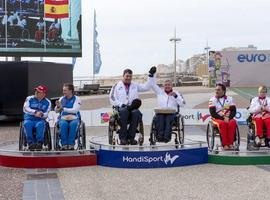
x: 240, y: 68
x: 100, y: 117
x: 152, y: 159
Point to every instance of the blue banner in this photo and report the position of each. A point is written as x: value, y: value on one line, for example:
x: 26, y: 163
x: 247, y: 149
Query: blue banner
x: 96, y: 52
x: 152, y: 159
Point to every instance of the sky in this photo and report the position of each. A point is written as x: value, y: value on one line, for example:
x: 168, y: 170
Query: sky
x: 135, y: 33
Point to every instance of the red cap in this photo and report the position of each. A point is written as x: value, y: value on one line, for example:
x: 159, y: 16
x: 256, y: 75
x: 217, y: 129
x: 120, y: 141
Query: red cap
x: 41, y: 88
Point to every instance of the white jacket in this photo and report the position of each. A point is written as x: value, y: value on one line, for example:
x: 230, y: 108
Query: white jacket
x: 257, y: 104
x: 166, y: 101
x: 222, y: 105
x: 119, y: 95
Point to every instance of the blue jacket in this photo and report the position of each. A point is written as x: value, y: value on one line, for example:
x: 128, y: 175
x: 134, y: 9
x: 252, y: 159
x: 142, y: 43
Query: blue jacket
x: 32, y: 105
x: 70, y: 106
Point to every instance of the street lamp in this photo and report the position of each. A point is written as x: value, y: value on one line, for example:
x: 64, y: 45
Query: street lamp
x: 207, y: 48
x: 175, y: 40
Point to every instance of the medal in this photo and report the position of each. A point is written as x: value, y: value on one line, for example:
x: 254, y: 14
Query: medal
x: 127, y: 93
x: 224, y: 108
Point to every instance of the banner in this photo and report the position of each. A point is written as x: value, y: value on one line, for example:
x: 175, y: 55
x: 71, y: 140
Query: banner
x: 56, y: 9
x: 240, y: 68
x: 219, y: 68
x: 100, y: 117
x: 152, y: 159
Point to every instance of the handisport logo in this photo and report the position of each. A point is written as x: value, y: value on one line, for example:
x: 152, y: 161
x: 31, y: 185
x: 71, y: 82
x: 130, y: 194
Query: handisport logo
x: 253, y: 57
x: 170, y: 159
x: 202, y: 117
x: 167, y: 159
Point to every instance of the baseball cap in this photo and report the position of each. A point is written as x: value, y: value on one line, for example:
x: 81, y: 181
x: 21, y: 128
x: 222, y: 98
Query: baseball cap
x: 41, y: 88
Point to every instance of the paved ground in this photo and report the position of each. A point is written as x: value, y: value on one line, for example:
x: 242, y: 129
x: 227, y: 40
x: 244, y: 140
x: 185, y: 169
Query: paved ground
x: 196, y: 182
x: 100, y: 183
x: 9, y: 131
x: 11, y: 183
x: 42, y: 184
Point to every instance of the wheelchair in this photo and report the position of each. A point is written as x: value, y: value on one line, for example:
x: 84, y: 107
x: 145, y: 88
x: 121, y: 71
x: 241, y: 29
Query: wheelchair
x: 177, y: 129
x: 251, y: 136
x: 47, y: 145
x: 212, y: 132
x: 54, y: 38
x: 80, y: 138
x: 25, y: 34
x: 114, y: 128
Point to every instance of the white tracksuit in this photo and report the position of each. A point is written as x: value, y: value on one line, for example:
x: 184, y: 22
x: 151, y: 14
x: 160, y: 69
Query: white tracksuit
x: 166, y: 101
x: 257, y: 104
x: 119, y: 95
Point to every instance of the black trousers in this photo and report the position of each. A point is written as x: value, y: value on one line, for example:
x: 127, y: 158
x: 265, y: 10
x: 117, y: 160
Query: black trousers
x: 129, y: 117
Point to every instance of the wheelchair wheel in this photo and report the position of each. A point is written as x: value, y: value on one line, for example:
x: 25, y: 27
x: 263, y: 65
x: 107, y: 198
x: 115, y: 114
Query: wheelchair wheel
x: 110, y: 135
x: 83, y: 135
x: 251, y: 138
x: 47, y: 137
x: 141, y: 133
x: 210, y: 136
x: 237, y: 139
x: 60, y: 42
x: 153, y: 133
x: 56, y: 138
x: 25, y: 34
x: 22, y: 138
x: 181, y: 133
x: 111, y: 130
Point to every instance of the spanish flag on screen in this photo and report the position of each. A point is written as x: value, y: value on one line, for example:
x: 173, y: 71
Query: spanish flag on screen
x: 56, y: 9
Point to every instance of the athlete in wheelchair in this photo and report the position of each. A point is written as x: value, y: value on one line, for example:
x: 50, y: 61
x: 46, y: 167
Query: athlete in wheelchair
x: 69, y: 126
x: 127, y: 118
x: 259, y: 121
x: 35, y: 130
x: 167, y: 119
x: 222, y: 124
x: 55, y: 34
x: 39, y: 33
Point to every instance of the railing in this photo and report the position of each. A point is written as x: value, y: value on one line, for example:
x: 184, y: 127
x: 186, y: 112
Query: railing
x: 90, y: 86
x: 79, y: 83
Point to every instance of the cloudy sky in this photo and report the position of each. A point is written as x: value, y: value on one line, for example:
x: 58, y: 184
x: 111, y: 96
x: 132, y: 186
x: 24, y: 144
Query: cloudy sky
x: 135, y: 33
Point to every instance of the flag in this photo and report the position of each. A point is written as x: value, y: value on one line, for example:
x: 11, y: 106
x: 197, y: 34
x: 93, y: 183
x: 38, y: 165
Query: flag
x: 96, y: 52
x: 56, y: 9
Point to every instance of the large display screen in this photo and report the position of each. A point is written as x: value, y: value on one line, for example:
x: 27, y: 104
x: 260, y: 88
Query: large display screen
x: 42, y: 28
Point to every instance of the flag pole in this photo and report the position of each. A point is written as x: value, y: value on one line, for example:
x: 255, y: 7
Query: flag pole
x: 6, y: 23
x: 70, y: 19
x: 44, y: 20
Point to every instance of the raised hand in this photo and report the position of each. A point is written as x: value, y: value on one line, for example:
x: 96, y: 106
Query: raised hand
x: 152, y: 71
